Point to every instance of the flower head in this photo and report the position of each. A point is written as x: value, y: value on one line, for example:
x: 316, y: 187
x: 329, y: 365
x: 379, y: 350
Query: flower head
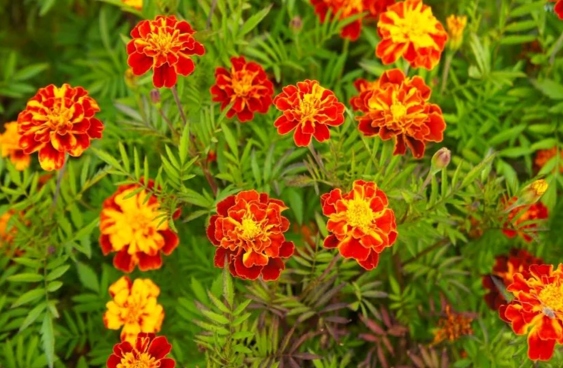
x: 362, y: 86
x: 409, y: 29
x: 308, y: 109
x: 10, y: 147
x: 558, y: 8
x: 246, y: 85
x: 248, y: 232
x: 134, y: 307
x: 360, y: 221
x: 545, y: 156
x: 349, y: 8
x: 6, y: 230
x: 136, y: 4
x: 506, y: 266
x: 537, y: 309
x: 452, y: 327
x: 456, y: 26
x: 147, y: 351
x: 533, y: 192
x: 164, y: 45
x: 397, y: 107
x: 523, y: 220
x: 133, y: 227
x: 441, y: 159
x: 57, y: 121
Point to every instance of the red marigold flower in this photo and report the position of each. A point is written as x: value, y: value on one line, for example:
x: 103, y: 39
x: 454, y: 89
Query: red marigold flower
x: 537, y: 308
x: 133, y: 227
x: 558, y: 8
x: 309, y: 109
x: 397, y: 107
x: 506, y: 266
x: 544, y: 156
x: 165, y: 45
x: 362, y: 86
x: 147, y: 352
x: 247, y: 85
x: 409, y: 29
x: 520, y: 217
x: 56, y: 121
x: 349, y: 8
x: 361, y: 224
x: 249, y: 232
x: 10, y: 147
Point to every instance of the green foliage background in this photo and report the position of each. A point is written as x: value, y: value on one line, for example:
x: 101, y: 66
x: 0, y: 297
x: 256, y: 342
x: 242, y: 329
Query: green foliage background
x: 503, y: 101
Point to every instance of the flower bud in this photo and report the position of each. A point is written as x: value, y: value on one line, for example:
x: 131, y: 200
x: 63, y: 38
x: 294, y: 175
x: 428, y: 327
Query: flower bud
x: 441, y: 160
x: 296, y: 24
x: 456, y: 25
x: 155, y: 96
x: 533, y: 192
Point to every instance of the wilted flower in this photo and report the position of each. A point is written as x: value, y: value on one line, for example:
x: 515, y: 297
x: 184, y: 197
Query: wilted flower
x: 360, y: 221
x: 441, y: 159
x: 147, y: 351
x: 134, y: 228
x: 398, y: 107
x: 10, y: 147
x: 246, y: 85
x: 57, y: 121
x: 155, y: 96
x: 308, y: 109
x: 456, y: 26
x: 165, y: 45
x: 520, y: 217
x: 249, y: 232
x: 537, y: 309
x: 452, y: 327
x: 134, y: 307
x: 409, y: 29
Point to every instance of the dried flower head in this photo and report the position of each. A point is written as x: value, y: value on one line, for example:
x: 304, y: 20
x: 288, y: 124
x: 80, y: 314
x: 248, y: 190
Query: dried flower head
x: 452, y: 326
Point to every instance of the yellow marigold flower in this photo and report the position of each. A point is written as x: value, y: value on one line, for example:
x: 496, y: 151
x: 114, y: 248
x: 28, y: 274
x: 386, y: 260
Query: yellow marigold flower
x: 134, y: 307
x: 456, y: 25
x: 452, y: 327
x: 137, y: 4
x: 10, y: 146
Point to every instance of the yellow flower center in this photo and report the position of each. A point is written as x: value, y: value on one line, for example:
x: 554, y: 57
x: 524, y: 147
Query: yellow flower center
x: 242, y: 83
x: 250, y: 229
x: 351, y: 6
x: 551, y: 298
x: 540, y: 187
x: 143, y: 360
x: 310, y: 103
x: 415, y: 26
x: 359, y: 214
x: 398, y: 111
x: 163, y: 42
x: 59, y: 117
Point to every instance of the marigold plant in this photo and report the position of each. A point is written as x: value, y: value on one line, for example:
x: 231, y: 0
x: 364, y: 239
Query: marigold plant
x: 147, y: 351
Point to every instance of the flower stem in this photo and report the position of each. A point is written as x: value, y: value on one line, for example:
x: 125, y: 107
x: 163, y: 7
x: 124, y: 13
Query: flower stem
x: 446, y: 72
x: 556, y: 49
x: 318, y: 159
x: 59, y: 180
x: 179, y: 104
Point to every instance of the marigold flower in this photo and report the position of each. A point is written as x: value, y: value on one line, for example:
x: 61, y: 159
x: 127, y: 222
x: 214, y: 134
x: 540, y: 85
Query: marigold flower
x: 349, y: 8
x: 136, y: 4
x: 309, y: 109
x: 164, y: 45
x: 506, y: 266
x: 520, y: 217
x: 361, y: 85
x: 537, y: 309
x: 533, y: 192
x: 246, y: 85
x: 397, y: 107
x: 133, y: 227
x: 360, y: 221
x: 147, y: 351
x: 409, y: 29
x: 456, y: 26
x: 544, y: 156
x: 56, y: 121
x: 10, y: 147
x: 558, y: 8
x: 6, y: 232
x: 249, y: 232
x: 452, y: 327
x: 134, y: 307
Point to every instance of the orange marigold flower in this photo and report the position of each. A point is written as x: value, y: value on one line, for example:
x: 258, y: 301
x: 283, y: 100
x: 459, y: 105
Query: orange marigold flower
x: 397, y: 107
x: 452, y: 327
x: 6, y: 231
x: 165, y: 45
x: 147, y: 351
x: 249, y: 232
x: 537, y: 309
x: 309, y: 109
x: 409, y: 29
x: 246, y: 85
x: 134, y: 307
x: 133, y: 227
x: 56, y: 121
x: 520, y: 217
x: 456, y: 26
x: 362, y: 86
x: 558, y: 8
x: 506, y: 266
x: 10, y: 147
x: 136, y: 4
x: 349, y: 8
x: 360, y: 221
x: 544, y: 156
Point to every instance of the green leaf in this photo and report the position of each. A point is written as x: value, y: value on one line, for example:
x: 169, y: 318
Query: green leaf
x: 48, y: 339
x: 254, y: 20
x: 29, y: 297
x: 228, y: 288
x: 26, y: 277
x: 222, y: 320
x: 551, y: 89
x: 88, y: 277
x: 57, y: 272
x: 33, y: 315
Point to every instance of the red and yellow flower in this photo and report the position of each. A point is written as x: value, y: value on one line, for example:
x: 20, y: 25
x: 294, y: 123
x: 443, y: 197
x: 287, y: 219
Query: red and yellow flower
x: 456, y: 25
x: 537, y: 309
x: 398, y: 107
x: 147, y: 351
x: 362, y: 86
x: 7, y: 231
x: 558, y: 8
x: 248, y: 232
x: 409, y: 29
x: 166, y: 46
x: 134, y: 308
x: 452, y: 326
x: 10, y: 147
x: 349, y: 8
x: 134, y: 228
x: 544, y: 156
x: 361, y: 223
x: 523, y: 220
x: 57, y: 121
x: 309, y: 109
x: 246, y: 85
x: 506, y: 266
